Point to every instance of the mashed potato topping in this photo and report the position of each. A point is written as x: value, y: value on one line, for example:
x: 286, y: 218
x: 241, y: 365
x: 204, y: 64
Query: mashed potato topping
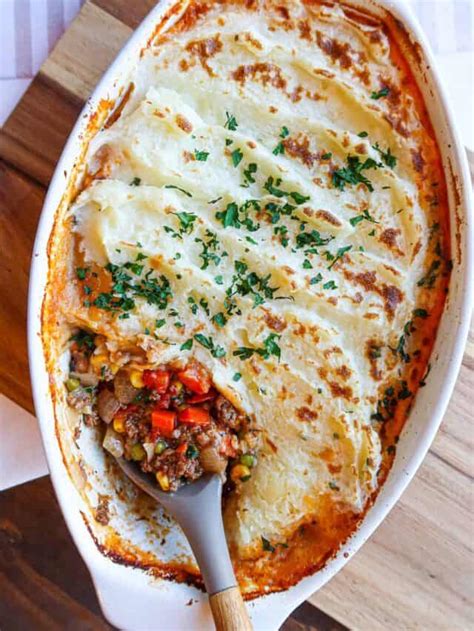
x: 270, y: 201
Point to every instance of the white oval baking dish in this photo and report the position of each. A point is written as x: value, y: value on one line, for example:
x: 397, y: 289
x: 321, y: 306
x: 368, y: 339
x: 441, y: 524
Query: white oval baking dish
x: 130, y: 598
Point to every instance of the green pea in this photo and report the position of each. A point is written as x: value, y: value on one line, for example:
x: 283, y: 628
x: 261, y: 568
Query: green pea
x: 248, y: 460
x: 160, y: 447
x: 192, y: 452
x: 137, y: 452
x: 72, y: 384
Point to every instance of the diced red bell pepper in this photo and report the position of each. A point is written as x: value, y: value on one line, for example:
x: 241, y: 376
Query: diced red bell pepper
x: 157, y: 380
x: 226, y: 448
x: 200, y: 398
x: 195, y: 378
x: 194, y: 416
x: 163, y: 402
x: 163, y: 423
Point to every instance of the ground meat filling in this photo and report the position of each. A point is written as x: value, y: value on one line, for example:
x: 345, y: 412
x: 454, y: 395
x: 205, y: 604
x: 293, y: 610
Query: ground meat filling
x: 170, y: 420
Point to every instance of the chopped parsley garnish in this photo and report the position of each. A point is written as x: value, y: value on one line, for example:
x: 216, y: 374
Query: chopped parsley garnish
x: 365, y: 215
x: 160, y: 323
x: 266, y: 545
x: 429, y: 279
x: 388, y: 158
x: 236, y: 156
x: 404, y: 392
x: 280, y: 148
x: 333, y: 486
x: 271, y: 185
x: 330, y: 285
x: 339, y: 254
x: 249, y: 173
x: 420, y: 313
x: 84, y: 340
x: 201, y: 156
x: 307, y: 264
x: 269, y: 348
x: 213, y: 201
x: 352, y: 173
x: 316, y: 279
x: 209, y: 249
x: 311, y: 239
x: 282, y: 232
x: 81, y: 272
x: 378, y: 95
x: 178, y: 188
x: 194, y: 307
x: 245, y: 283
x: 219, y: 280
x: 187, y: 346
x: 363, y: 134
x: 231, y: 122
x: 216, y: 350
x: 219, y: 319
x: 125, y: 288
x: 186, y: 221
x: 237, y: 376
x: 326, y: 156
x: 136, y: 181
x: 238, y: 216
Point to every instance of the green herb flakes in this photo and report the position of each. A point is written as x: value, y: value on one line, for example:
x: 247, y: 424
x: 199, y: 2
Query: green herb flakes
x: 236, y: 156
x: 378, y: 95
x: 201, y: 156
x: 231, y: 122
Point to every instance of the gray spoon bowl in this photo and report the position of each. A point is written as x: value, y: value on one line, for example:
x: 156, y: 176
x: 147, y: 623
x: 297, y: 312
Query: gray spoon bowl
x: 197, y: 509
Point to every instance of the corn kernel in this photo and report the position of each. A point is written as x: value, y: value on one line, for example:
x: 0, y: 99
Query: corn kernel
x: 119, y: 423
x: 136, y: 379
x: 163, y: 481
x: 99, y: 360
x: 240, y: 472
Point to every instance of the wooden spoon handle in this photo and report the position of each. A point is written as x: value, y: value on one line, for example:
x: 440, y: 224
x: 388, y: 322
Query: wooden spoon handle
x: 229, y: 611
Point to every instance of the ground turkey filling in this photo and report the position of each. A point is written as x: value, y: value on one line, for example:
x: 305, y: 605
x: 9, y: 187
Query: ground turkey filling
x: 168, y: 418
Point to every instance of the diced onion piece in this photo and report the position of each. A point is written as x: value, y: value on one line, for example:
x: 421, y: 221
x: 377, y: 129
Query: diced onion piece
x: 211, y: 461
x: 149, y: 449
x: 107, y: 405
x: 113, y: 443
x: 88, y: 379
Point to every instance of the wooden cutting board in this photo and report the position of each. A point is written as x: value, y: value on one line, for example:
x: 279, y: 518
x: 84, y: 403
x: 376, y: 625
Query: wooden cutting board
x: 417, y: 570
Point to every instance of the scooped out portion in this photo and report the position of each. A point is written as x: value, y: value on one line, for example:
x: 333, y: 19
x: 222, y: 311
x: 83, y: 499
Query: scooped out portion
x: 169, y: 419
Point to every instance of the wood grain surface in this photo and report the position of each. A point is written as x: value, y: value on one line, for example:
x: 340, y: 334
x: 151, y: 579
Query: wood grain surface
x: 417, y: 570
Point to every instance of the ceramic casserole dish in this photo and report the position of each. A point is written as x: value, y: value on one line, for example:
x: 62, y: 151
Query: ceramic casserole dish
x: 131, y: 593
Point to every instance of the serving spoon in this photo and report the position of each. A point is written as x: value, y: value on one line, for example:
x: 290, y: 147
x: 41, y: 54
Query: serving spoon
x: 197, y: 509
